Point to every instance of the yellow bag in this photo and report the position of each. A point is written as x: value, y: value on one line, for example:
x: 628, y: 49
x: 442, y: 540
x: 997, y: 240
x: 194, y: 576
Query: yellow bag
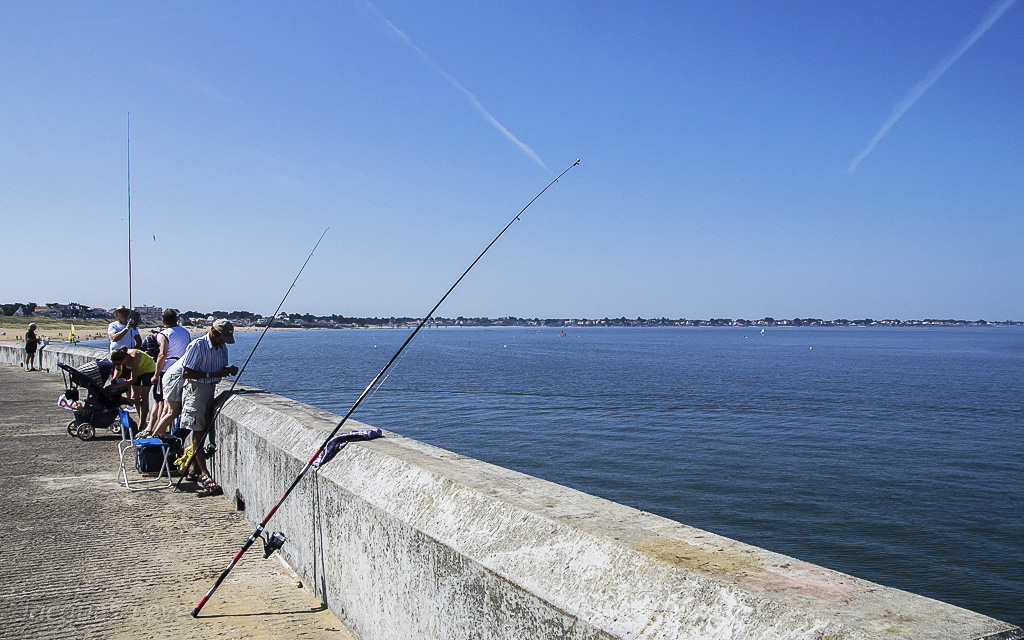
x: 186, y: 456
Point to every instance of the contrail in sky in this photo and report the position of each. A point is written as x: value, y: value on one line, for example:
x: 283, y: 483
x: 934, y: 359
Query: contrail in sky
x: 455, y: 83
x: 901, y: 107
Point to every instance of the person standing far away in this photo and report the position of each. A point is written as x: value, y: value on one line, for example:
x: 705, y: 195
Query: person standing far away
x: 31, y: 344
x: 122, y: 332
x: 173, y: 340
x: 205, y: 362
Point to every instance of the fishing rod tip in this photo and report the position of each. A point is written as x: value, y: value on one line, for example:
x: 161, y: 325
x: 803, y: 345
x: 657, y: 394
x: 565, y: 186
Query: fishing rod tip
x: 576, y: 163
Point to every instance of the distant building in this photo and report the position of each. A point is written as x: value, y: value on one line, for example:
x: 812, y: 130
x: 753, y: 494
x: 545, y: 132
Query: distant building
x: 149, y: 313
x: 19, y: 312
x: 47, y: 311
x: 74, y: 310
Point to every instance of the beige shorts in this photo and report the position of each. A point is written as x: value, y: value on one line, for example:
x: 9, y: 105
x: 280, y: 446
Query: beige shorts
x: 172, y: 386
x: 196, y: 400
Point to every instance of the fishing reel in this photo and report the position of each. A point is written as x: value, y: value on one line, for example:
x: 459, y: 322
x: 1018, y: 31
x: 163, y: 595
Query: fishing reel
x: 272, y: 543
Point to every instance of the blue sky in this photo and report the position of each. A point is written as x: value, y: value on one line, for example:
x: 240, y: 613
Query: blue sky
x: 717, y: 141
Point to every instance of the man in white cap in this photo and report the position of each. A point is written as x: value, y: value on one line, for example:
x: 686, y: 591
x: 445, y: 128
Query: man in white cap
x: 205, y: 362
x: 122, y: 332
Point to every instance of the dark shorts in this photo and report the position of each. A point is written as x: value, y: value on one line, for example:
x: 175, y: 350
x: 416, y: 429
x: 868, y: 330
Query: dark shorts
x: 31, y: 349
x: 145, y: 380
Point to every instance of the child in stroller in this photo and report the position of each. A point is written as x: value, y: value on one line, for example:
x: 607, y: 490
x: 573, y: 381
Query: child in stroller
x: 101, y: 408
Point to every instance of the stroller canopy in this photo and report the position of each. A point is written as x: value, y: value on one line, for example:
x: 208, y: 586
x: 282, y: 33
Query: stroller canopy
x: 91, y: 373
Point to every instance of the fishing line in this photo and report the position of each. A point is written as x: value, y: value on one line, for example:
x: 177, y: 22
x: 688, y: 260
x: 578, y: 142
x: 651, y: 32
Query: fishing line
x: 277, y: 538
x: 385, y: 379
x: 394, y: 368
x: 276, y: 311
x: 218, y: 403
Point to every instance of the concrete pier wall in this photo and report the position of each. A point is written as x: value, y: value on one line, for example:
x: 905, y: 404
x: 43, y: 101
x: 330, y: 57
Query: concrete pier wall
x: 48, y: 357
x: 405, y: 540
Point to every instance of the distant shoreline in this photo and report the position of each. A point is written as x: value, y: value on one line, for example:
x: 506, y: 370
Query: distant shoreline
x: 561, y: 323
x: 15, y: 331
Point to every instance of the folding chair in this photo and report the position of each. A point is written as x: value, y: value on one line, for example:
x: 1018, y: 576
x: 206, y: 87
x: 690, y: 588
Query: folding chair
x: 152, y: 455
x: 128, y: 428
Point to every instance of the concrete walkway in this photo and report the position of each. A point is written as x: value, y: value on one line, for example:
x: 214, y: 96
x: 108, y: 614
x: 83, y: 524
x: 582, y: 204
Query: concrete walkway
x: 82, y: 557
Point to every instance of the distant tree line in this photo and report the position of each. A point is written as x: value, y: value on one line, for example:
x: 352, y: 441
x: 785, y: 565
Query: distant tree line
x: 336, y: 320
x: 27, y: 307
x: 285, y: 319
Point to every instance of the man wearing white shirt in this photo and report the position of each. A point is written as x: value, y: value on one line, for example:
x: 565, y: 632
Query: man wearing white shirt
x: 121, y: 332
x: 173, y: 341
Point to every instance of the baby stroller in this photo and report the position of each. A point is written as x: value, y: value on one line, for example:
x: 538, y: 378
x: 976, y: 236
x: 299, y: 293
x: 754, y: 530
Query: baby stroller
x: 101, y: 408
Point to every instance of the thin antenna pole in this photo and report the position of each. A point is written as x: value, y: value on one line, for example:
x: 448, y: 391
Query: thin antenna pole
x: 131, y: 307
x: 259, y: 528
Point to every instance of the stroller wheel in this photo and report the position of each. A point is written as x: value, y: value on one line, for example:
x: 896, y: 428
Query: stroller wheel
x: 72, y: 428
x: 86, y: 431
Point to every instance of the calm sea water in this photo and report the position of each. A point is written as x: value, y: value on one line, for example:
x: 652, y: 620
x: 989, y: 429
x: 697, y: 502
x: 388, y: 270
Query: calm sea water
x: 894, y: 454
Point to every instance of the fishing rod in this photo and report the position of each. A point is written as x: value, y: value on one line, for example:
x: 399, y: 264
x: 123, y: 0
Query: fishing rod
x: 277, y: 539
x: 130, y: 307
x: 202, y: 438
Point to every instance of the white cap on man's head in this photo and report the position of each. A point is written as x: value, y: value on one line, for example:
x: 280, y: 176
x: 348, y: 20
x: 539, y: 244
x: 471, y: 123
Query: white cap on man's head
x: 225, y: 329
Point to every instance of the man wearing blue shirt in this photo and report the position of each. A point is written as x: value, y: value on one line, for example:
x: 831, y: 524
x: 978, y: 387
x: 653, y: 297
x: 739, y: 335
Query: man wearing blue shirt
x: 205, y: 362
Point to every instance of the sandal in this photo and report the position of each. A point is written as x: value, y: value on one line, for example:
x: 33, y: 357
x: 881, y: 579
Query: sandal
x: 207, y: 487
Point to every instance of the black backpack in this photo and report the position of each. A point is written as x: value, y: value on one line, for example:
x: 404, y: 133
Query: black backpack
x: 151, y: 346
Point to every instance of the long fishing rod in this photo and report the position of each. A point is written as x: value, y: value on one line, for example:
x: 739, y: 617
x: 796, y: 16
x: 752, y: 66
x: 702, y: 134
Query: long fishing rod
x: 277, y: 540
x: 130, y: 307
x: 202, y: 438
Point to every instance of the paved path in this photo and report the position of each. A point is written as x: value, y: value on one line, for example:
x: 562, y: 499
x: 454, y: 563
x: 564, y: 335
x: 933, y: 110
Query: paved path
x: 82, y: 557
